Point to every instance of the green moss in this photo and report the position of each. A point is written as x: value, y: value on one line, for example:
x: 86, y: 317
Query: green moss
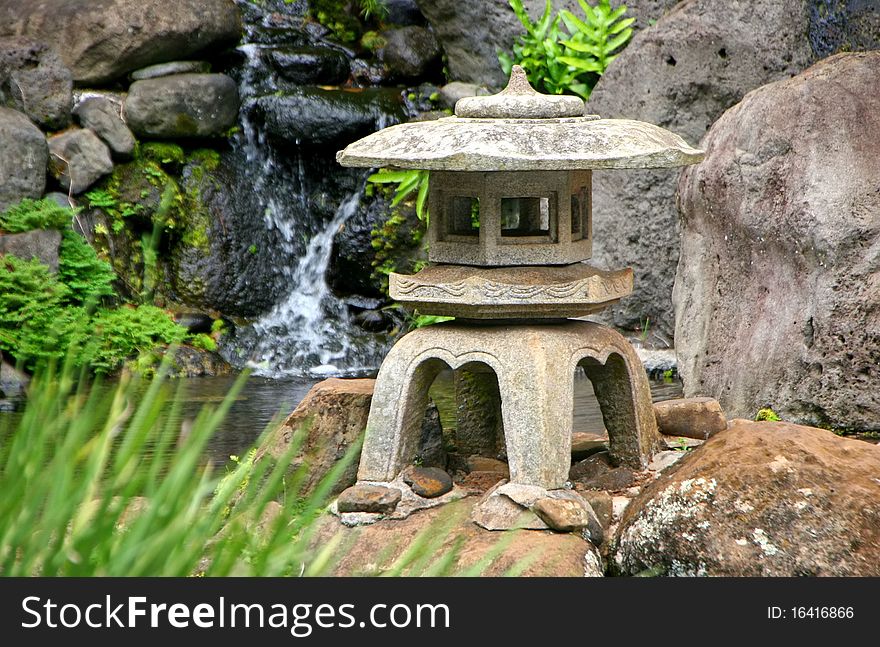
x: 767, y: 414
x: 163, y: 153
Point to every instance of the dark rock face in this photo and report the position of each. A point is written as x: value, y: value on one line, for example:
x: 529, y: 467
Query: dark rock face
x: 410, y: 52
x: 844, y: 26
x: 759, y: 499
x: 310, y: 65
x: 350, y: 270
x: 682, y: 73
x: 101, y: 40
x: 182, y: 106
x: 41, y: 244
x: 315, y: 116
x: 78, y: 159
x: 23, y: 158
x: 777, y: 295
x: 101, y: 115
x: 35, y: 81
x: 472, y: 49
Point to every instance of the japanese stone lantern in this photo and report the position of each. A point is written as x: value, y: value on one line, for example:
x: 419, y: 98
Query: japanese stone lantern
x: 510, y: 228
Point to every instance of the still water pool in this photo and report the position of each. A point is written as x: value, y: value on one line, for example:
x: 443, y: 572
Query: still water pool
x: 263, y: 400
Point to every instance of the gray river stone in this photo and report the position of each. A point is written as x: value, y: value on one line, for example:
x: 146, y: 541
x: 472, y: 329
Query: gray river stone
x: 172, y: 67
x: 101, y: 115
x: 23, y: 158
x: 102, y: 40
x: 78, y: 159
x: 182, y: 105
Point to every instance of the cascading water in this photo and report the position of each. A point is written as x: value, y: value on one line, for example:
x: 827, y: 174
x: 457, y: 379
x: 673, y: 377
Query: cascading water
x: 309, y: 331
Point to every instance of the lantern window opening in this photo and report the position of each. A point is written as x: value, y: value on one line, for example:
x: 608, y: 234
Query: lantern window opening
x: 528, y: 219
x: 462, y: 218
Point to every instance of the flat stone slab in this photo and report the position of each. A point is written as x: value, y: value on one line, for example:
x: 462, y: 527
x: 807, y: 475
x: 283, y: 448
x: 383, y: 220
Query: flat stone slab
x: 539, y: 292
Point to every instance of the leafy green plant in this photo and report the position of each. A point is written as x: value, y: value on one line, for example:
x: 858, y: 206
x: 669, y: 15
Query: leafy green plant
x: 121, y: 333
x: 109, y: 482
x: 204, y: 342
x: 35, y: 214
x: 572, y: 56
x: 420, y: 321
x: 408, y: 182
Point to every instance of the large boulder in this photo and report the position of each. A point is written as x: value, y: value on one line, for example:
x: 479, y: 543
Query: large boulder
x: 777, y: 295
x: 472, y: 33
x: 35, y: 81
x: 101, y: 40
x: 759, y: 499
x: 325, y: 425
x: 23, y: 157
x: 682, y: 73
x: 78, y: 159
x: 182, y: 106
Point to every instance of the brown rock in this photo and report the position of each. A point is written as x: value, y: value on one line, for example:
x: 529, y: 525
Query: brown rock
x: 479, y: 482
x: 590, y: 468
x: 484, y: 464
x: 428, y: 482
x: 563, y: 515
x: 760, y: 499
x: 496, y: 511
x: 584, y: 444
x: 327, y: 422
x: 614, y: 480
x: 368, y: 498
x: 690, y: 417
x: 602, y: 505
x: 372, y: 549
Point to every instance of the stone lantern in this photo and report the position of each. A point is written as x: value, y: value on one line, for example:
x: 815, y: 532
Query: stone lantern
x: 510, y: 228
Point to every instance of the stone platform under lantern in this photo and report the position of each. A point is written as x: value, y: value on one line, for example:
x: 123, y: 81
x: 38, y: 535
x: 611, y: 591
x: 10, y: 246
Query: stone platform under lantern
x: 532, y: 292
x: 535, y: 366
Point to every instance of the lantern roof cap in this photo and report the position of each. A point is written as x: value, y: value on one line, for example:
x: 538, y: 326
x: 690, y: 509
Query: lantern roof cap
x: 520, y: 129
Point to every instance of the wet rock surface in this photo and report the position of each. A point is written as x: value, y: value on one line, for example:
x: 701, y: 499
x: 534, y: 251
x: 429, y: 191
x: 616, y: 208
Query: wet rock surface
x: 776, y: 296
x: 312, y: 116
x: 759, y: 499
x: 410, y: 52
x: 310, y: 65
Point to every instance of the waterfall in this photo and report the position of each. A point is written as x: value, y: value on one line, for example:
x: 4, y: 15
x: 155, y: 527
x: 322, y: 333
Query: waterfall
x: 309, y: 330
